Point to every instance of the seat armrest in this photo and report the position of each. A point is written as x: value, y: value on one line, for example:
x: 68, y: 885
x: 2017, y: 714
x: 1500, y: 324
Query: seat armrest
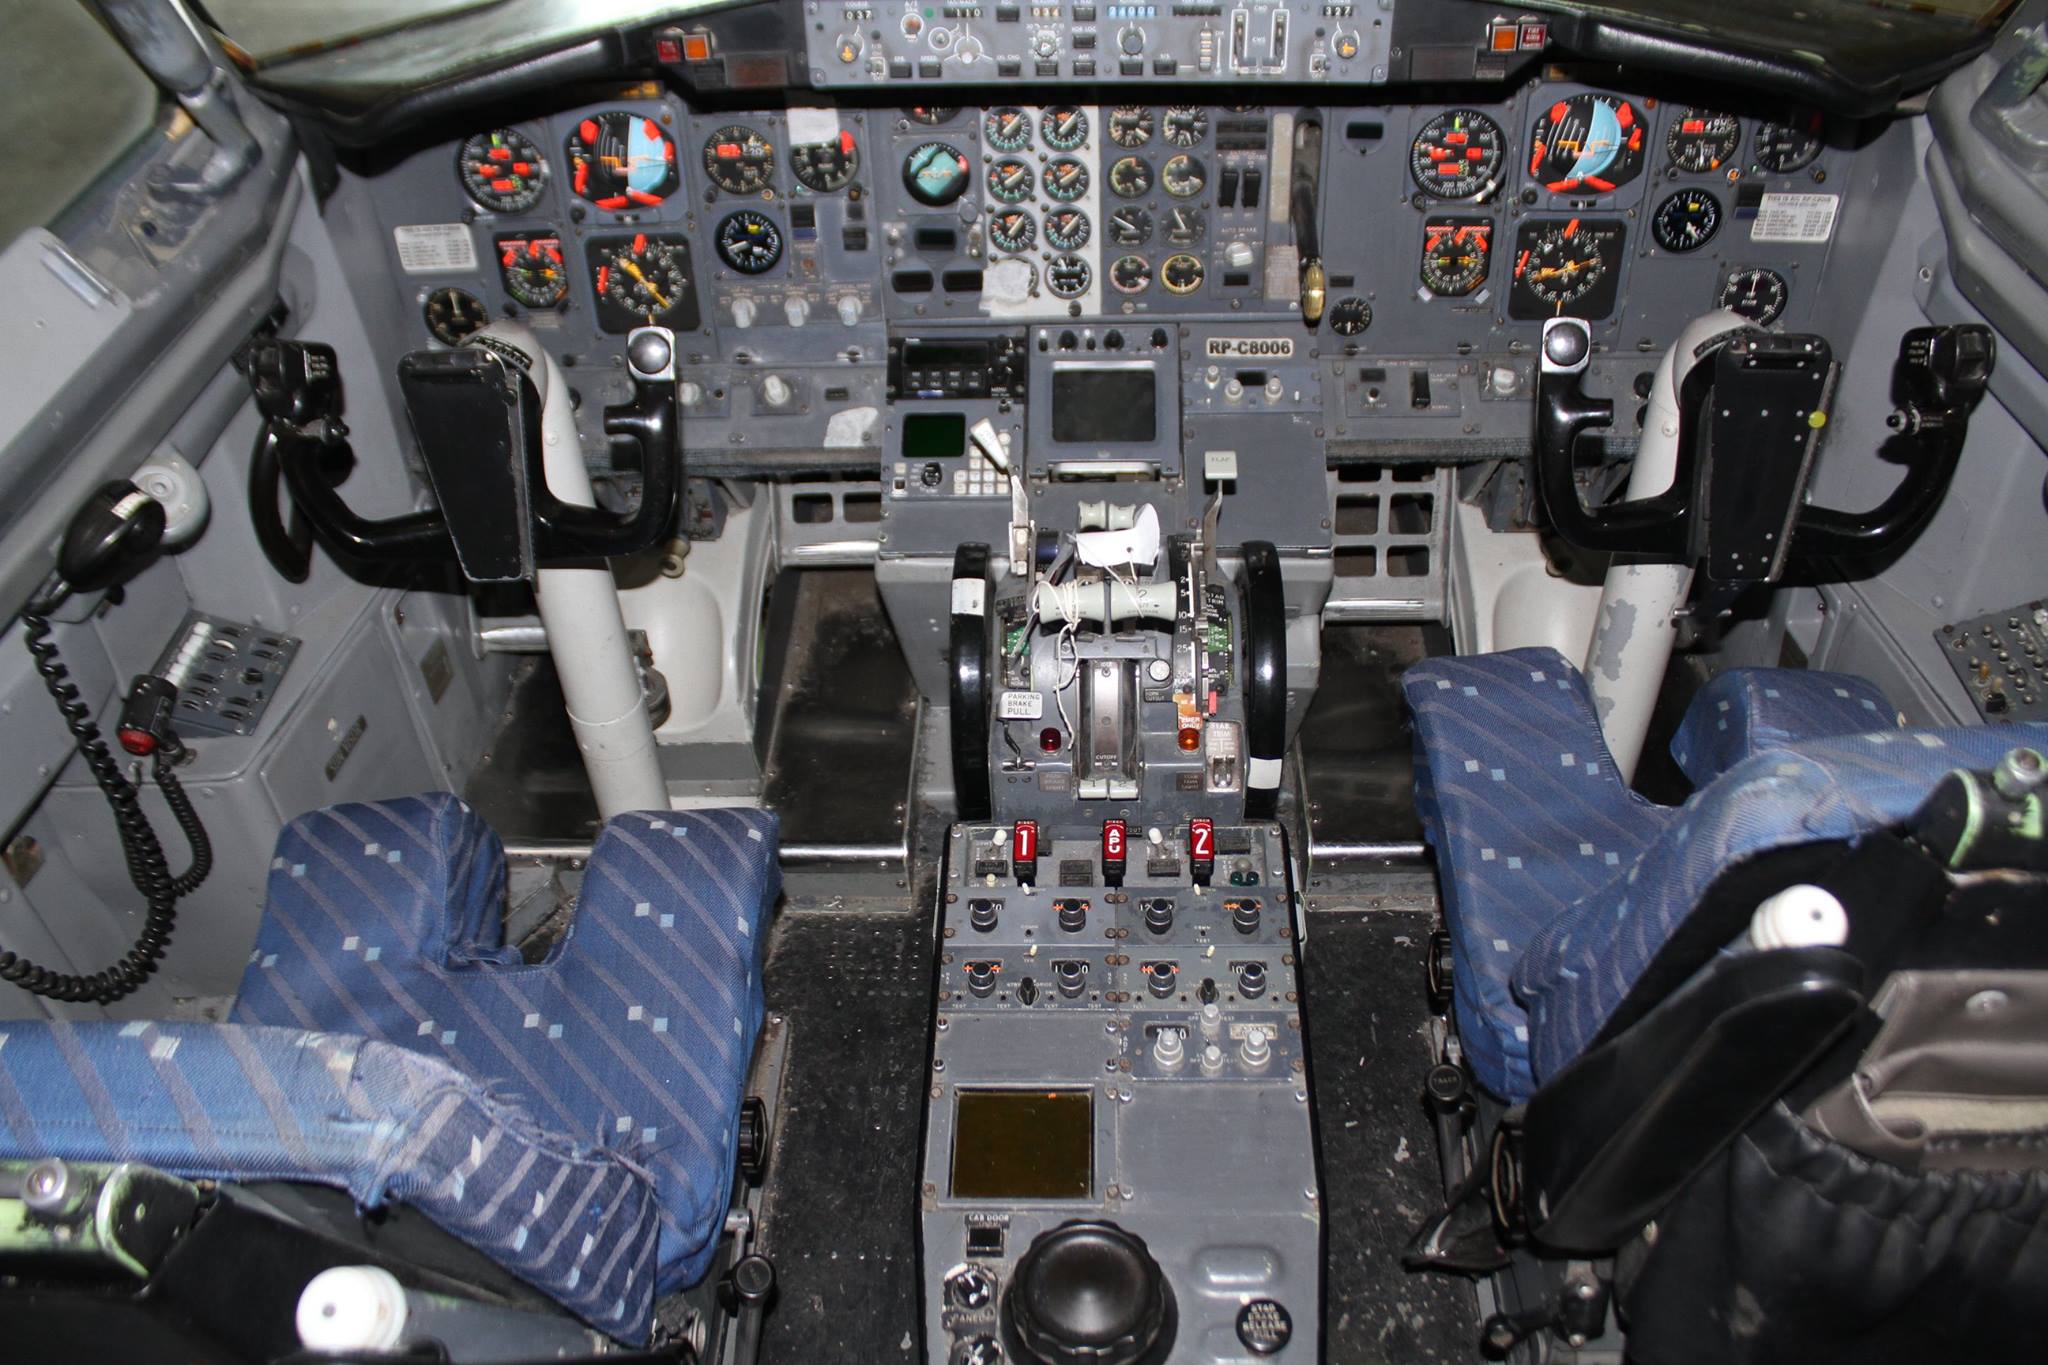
x: 1616, y: 1135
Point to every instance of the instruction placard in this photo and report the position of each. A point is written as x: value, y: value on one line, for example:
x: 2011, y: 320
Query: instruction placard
x: 1795, y: 218
x: 434, y: 248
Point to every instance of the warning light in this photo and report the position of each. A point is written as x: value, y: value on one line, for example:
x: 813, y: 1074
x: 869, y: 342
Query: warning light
x: 697, y: 47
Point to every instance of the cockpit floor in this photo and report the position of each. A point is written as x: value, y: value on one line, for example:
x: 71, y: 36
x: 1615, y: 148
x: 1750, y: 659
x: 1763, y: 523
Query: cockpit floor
x: 839, y: 1221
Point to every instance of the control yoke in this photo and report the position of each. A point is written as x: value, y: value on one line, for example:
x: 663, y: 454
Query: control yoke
x: 1753, y: 405
x: 477, y: 417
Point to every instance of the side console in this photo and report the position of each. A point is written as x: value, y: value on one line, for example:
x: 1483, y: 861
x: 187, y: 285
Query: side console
x: 1119, y: 1159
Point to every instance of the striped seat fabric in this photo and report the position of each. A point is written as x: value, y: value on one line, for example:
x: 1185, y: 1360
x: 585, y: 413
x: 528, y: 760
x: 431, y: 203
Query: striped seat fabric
x: 1560, y: 884
x: 575, y: 1119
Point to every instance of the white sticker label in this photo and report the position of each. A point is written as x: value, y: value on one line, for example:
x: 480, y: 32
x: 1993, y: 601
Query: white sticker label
x: 970, y: 597
x: 1795, y: 218
x: 434, y: 248
x: 1251, y: 348
x: 808, y: 126
x: 1021, y: 706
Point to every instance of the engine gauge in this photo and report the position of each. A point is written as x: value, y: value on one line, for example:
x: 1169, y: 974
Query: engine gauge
x: 1066, y: 180
x: 826, y: 167
x: 935, y: 173
x: 1013, y: 230
x: 1068, y: 276
x: 1566, y: 268
x: 1183, y: 176
x: 931, y: 115
x: 1010, y: 181
x: 1686, y: 221
x: 643, y: 280
x: 739, y: 160
x: 1702, y: 140
x: 1756, y: 293
x: 1184, y: 124
x: 1067, y: 229
x: 1130, y: 274
x: 748, y: 241
x: 1458, y: 155
x: 532, y: 269
x: 1064, y: 127
x: 1587, y: 144
x: 452, y: 314
x: 1129, y: 226
x: 1182, y: 274
x: 1792, y: 145
x: 622, y: 160
x: 1130, y: 125
x: 1185, y: 226
x: 1130, y: 177
x: 1350, y: 316
x: 1456, y: 253
x: 502, y: 170
x: 1007, y: 129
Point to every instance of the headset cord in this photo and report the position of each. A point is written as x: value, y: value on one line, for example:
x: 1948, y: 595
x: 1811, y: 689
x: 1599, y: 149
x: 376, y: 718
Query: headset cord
x: 147, y: 866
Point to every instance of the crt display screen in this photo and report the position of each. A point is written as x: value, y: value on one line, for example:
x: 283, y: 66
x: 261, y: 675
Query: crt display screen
x: 934, y: 436
x: 1024, y: 1144
x: 1104, y: 407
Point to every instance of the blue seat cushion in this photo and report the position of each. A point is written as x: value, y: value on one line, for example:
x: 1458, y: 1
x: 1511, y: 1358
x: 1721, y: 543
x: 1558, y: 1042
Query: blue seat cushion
x: 1528, y: 817
x: 636, y: 1032
x: 1580, y: 967
x: 1560, y: 884
x: 1746, y: 711
x: 231, y: 1101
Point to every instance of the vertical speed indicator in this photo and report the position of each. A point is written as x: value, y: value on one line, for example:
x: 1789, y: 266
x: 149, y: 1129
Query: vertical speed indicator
x: 1458, y: 155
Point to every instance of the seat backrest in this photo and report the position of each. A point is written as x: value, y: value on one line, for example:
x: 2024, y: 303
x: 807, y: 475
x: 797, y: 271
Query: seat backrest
x: 385, y: 920
x: 1747, y: 711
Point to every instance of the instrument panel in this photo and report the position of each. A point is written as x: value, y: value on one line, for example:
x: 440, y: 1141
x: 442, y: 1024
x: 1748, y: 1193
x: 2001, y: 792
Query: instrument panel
x: 793, y: 243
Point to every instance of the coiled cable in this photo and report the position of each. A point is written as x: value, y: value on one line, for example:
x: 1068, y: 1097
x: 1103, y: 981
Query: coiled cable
x: 147, y: 866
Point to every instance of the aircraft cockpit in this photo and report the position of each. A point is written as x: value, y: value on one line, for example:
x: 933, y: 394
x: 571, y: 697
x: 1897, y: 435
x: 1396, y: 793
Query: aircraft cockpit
x: 1030, y: 682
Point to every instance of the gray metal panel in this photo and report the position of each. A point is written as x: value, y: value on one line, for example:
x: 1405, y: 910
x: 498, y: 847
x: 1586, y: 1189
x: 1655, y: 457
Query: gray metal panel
x: 1216, y: 1170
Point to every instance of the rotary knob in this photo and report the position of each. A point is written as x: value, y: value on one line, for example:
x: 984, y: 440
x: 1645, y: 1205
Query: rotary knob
x: 1070, y: 977
x: 1089, y: 1293
x: 1131, y: 42
x: 970, y: 1287
x: 1159, y: 914
x: 1159, y: 978
x: 981, y: 978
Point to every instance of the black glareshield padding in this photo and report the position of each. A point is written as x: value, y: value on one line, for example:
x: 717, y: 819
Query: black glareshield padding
x: 970, y: 684
x: 1263, y: 616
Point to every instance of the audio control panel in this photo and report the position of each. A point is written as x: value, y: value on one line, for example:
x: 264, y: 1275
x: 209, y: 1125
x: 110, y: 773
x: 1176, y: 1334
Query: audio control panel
x: 1119, y: 1078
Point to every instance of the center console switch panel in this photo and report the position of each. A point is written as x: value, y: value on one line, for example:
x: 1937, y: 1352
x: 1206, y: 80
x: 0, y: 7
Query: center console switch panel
x: 1118, y: 1076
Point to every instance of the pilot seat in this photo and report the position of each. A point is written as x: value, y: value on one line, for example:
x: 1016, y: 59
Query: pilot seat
x: 1763, y: 1067
x: 575, y: 1119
